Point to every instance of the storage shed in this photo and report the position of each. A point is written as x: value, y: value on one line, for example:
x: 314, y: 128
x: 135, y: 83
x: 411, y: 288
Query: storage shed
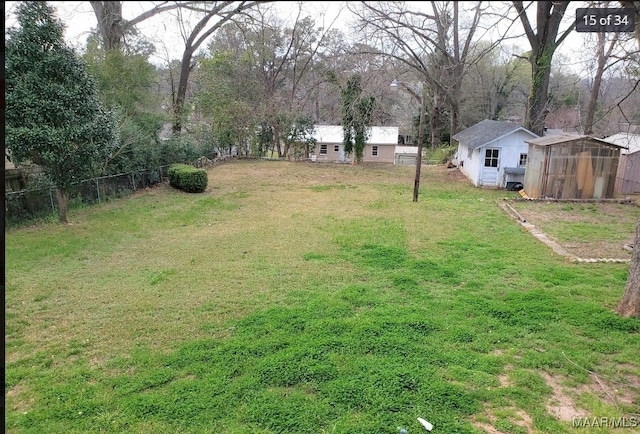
x: 568, y: 166
x: 493, y: 154
x: 628, y: 179
x: 406, y: 155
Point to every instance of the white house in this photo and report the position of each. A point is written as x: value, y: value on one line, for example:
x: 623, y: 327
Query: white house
x: 380, y: 147
x: 628, y: 177
x: 493, y: 154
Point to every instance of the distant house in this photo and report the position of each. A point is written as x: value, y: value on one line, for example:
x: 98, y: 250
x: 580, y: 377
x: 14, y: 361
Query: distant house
x: 628, y: 179
x: 380, y: 147
x: 493, y: 154
x: 571, y: 166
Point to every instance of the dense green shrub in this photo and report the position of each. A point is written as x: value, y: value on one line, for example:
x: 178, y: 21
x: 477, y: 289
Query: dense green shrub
x: 187, y: 178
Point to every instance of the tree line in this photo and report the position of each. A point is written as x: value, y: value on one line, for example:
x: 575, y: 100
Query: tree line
x: 251, y: 83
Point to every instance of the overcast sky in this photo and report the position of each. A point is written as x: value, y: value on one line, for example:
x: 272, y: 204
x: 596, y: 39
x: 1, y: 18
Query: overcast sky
x: 161, y: 29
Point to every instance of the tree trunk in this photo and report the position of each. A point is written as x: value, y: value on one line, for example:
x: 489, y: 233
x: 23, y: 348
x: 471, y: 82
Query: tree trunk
x: 435, y: 121
x: 110, y: 23
x: 537, y: 104
x: 602, y: 58
x: 454, y: 120
x: 543, y: 45
x: 181, y: 95
x: 629, y: 306
x: 595, y: 89
x: 276, y: 138
x: 63, y: 203
x: 112, y: 27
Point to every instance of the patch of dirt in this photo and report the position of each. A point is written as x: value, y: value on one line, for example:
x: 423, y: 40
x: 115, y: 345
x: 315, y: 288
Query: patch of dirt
x: 627, y: 393
x: 561, y: 405
x: 504, y: 380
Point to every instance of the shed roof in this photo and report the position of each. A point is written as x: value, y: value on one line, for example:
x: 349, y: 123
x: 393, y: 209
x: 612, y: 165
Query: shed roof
x: 628, y: 140
x: 407, y: 150
x: 566, y: 137
x: 378, y: 135
x: 487, y: 131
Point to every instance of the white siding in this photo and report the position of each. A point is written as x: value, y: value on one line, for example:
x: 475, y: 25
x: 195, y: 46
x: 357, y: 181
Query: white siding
x: 511, y: 146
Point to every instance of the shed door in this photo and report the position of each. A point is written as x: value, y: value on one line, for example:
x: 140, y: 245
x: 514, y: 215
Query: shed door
x: 490, y: 167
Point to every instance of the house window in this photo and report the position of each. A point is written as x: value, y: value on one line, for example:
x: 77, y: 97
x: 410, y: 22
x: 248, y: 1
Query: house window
x: 491, y: 158
x: 469, y: 153
x: 336, y: 148
x: 323, y: 149
x: 374, y: 151
x: 523, y: 160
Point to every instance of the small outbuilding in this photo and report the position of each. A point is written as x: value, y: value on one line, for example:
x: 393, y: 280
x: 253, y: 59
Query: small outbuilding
x: 379, y: 147
x: 628, y: 179
x: 571, y: 166
x: 493, y: 154
x: 406, y: 155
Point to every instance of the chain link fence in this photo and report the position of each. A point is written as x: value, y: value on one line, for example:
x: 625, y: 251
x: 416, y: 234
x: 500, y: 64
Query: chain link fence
x: 26, y: 205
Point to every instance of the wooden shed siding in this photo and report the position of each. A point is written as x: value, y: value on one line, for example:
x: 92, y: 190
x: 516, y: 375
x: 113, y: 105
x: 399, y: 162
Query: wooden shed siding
x: 628, y: 179
x: 574, y: 169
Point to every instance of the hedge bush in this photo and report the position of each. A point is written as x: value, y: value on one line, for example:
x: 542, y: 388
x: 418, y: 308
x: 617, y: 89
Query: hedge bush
x: 187, y: 178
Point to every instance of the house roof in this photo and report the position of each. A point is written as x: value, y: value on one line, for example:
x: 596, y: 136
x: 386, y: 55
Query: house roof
x: 566, y: 137
x: 487, y: 131
x: 628, y: 140
x: 378, y: 135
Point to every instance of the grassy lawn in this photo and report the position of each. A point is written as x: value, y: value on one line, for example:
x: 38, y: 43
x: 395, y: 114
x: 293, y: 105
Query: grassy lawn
x: 310, y: 298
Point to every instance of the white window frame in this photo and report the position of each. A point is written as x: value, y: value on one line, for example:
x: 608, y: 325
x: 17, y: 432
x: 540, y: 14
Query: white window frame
x: 491, y: 157
x: 522, y: 162
x: 374, y: 151
x: 323, y: 149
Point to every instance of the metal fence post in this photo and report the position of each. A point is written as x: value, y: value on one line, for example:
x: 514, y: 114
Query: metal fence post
x: 98, y: 188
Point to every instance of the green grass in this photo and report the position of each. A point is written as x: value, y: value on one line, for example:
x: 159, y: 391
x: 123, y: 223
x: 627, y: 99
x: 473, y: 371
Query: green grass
x: 305, y: 298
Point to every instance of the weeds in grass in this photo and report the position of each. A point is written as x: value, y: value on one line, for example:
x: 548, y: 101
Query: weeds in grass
x: 295, y: 308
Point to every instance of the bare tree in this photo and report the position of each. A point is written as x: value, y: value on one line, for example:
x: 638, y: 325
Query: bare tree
x: 613, y: 53
x: 604, y: 49
x: 434, y: 42
x: 225, y: 11
x: 113, y: 27
x: 544, y: 41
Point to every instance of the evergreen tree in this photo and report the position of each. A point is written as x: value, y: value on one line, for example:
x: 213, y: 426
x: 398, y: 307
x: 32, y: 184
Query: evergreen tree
x: 53, y: 114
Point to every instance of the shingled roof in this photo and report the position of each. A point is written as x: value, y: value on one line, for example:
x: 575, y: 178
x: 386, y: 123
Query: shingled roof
x: 487, y: 131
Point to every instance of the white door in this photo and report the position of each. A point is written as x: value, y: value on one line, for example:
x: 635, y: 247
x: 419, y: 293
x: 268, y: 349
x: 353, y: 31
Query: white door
x: 341, y: 152
x: 490, y: 167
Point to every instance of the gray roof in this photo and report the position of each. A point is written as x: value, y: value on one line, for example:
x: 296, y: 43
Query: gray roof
x: 487, y: 131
